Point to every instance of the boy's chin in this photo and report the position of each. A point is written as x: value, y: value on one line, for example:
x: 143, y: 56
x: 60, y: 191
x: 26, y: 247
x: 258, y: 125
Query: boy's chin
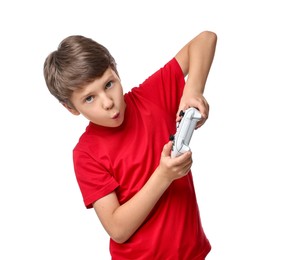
x: 115, y: 124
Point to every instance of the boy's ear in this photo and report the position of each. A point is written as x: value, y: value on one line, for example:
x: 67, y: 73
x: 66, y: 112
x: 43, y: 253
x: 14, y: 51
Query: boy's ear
x: 70, y: 109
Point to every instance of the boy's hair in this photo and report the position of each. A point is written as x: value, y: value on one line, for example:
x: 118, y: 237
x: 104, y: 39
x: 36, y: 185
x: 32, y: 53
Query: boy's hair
x: 77, y: 62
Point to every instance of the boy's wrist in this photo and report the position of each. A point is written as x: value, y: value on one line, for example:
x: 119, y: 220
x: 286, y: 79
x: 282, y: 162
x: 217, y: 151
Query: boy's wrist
x: 162, y: 177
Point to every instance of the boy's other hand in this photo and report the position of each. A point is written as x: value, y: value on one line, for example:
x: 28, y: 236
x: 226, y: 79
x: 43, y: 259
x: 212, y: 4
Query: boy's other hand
x: 197, y: 101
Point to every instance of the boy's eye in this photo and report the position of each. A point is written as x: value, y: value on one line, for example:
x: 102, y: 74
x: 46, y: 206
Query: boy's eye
x: 109, y: 84
x: 89, y: 99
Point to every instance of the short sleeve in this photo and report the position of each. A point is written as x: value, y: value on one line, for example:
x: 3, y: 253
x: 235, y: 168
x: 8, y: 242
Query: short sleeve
x: 93, y: 178
x: 164, y: 87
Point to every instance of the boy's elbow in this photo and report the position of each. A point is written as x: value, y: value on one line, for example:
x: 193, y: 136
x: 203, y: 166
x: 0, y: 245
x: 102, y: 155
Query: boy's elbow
x: 119, y: 238
x: 120, y: 234
x: 209, y: 35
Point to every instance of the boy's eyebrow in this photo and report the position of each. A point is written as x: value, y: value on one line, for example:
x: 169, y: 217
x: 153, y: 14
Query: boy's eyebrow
x: 92, y: 89
x: 104, y: 80
x: 85, y: 95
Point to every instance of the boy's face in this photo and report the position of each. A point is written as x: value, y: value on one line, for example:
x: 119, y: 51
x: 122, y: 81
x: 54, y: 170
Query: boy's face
x: 102, y: 101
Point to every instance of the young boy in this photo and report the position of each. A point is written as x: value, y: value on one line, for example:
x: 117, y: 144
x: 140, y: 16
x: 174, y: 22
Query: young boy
x: 144, y: 199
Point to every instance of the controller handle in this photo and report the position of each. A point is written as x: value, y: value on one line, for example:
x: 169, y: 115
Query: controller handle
x: 184, y: 131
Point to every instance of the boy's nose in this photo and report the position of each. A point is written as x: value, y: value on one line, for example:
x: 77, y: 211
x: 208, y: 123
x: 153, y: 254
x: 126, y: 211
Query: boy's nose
x: 107, y: 102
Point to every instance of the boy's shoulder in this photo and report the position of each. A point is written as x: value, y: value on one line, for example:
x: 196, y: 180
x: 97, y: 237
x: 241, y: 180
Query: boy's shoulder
x: 87, y: 138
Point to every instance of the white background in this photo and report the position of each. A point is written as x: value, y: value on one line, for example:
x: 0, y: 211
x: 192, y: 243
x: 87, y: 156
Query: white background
x: 239, y: 154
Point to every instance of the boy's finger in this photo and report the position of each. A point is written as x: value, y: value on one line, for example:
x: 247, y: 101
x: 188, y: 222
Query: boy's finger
x: 167, y: 149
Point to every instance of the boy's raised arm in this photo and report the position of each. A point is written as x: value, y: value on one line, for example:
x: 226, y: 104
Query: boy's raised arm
x: 195, y: 60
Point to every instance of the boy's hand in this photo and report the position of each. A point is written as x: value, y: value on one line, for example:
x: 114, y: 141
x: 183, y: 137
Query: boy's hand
x: 198, y: 101
x: 174, y: 168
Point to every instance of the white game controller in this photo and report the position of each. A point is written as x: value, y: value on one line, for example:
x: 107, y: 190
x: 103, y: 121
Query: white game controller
x: 184, y: 131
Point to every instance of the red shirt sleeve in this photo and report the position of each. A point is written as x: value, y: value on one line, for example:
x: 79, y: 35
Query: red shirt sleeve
x: 164, y: 87
x: 93, y: 178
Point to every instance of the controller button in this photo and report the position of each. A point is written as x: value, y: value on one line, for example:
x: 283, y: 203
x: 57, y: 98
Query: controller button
x: 181, y: 113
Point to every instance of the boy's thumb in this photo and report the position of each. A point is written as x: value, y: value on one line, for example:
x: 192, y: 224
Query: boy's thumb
x: 167, y: 149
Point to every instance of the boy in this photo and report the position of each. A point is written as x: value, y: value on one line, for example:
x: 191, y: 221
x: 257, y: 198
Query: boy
x: 144, y: 199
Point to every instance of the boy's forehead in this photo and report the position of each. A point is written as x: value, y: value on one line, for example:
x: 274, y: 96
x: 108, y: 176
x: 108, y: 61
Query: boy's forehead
x: 109, y: 72
x: 108, y: 75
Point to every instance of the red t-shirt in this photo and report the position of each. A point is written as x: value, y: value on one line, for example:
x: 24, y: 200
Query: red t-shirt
x: 123, y: 159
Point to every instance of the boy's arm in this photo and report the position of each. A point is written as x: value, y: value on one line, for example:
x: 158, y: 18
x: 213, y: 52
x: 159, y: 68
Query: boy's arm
x: 121, y: 221
x: 195, y: 60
